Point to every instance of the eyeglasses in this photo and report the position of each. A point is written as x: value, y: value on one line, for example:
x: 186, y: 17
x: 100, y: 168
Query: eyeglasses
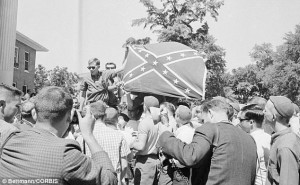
x: 91, y: 67
x: 241, y: 119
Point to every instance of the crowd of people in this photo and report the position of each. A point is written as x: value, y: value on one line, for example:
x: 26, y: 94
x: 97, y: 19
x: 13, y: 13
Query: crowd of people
x: 149, y: 139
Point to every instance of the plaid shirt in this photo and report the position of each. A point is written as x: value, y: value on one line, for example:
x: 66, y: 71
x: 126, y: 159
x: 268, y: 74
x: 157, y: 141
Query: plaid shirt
x: 5, y: 130
x: 37, y: 153
x: 110, y: 140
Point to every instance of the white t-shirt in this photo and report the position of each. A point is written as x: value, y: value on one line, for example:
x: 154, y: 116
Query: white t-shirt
x: 263, y: 142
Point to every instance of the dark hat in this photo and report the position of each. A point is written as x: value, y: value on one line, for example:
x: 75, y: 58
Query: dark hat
x: 184, y: 113
x: 111, y: 116
x: 283, y: 106
x: 151, y: 101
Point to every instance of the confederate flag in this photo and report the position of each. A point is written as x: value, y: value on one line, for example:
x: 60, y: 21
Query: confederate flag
x: 167, y: 68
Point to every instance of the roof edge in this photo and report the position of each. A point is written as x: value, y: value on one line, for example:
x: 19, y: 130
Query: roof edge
x: 31, y: 43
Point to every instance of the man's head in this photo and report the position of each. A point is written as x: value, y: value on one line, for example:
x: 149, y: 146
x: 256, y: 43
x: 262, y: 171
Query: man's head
x: 10, y: 102
x: 94, y: 65
x: 28, y: 111
x: 278, y: 109
x: 251, y: 117
x: 183, y: 115
x: 53, y: 107
x: 110, y: 65
x: 169, y: 106
x: 98, y: 109
x: 150, y: 101
x: 215, y: 110
x: 111, y: 116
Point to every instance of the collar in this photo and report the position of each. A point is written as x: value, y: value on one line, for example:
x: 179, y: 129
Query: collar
x: 276, y: 135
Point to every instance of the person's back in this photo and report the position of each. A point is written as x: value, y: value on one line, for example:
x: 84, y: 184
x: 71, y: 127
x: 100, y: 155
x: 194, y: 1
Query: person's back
x: 233, y: 159
x: 39, y: 154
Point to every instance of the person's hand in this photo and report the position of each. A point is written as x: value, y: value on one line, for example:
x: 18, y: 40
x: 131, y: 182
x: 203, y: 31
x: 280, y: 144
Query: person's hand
x: 86, y: 123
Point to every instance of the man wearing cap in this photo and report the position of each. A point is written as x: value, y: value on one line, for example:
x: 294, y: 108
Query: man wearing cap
x: 96, y: 86
x: 219, y: 153
x: 283, y: 166
x: 251, y: 120
x: 185, y: 133
x: 146, y: 157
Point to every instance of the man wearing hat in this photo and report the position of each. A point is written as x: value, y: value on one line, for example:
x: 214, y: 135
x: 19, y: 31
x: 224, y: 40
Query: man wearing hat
x: 146, y: 157
x: 283, y: 167
x: 185, y: 133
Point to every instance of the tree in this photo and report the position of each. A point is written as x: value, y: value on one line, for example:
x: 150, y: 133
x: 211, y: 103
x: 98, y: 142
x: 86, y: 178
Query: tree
x: 62, y: 78
x: 183, y: 22
x: 56, y: 77
x: 40, y: 77
x: 262, y: 55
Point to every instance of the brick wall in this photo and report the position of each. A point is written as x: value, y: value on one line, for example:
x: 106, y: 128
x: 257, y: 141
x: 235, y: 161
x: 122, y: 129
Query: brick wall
x: 22, y: 77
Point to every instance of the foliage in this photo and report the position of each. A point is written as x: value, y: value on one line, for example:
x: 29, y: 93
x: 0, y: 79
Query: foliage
x: 274, y: 73
x: 183, y: 22
x: 40, y: 77
x: 56, y: 77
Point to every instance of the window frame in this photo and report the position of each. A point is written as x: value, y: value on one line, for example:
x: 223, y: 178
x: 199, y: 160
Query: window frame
x: 16, y: 57
x: 27, y: 70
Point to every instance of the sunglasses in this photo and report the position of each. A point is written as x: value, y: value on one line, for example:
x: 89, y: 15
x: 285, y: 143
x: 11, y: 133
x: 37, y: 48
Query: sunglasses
x: 241, y: 120
x: 91, y: 67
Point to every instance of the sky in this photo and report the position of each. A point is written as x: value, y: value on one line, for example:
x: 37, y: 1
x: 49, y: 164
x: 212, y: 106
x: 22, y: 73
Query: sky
x: 106, y: 25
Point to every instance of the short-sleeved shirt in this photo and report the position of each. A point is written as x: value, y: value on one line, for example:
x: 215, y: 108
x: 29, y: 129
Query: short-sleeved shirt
x: 112, y: 141
x: 96, y: 88
x: 147, y: 127
x: 263, y: 142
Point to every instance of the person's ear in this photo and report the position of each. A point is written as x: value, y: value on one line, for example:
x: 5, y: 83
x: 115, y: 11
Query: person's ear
x: 210, y: 114
x: 2, y: 103
x: 273, y: 117
x: 33, y: 114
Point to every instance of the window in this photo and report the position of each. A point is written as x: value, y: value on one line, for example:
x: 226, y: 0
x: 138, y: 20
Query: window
x: 24, y: 89
x: 14, y: 84
x: 27, y: 59
x: 16, y: 58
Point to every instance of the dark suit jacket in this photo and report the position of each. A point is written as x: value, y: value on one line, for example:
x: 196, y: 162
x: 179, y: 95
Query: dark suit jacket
x: 219, y: 154
x: 37, y: 153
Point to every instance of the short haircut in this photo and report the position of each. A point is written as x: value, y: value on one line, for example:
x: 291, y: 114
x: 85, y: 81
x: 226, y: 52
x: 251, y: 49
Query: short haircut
x: 27, y: 107
x: 218, y: 105
x: 109, y: 65
x: 94, y: 60
x: 255, y: 112
x: 170, y: 107
x: 52, y: 103
x: 8, y: 92
x: 98, y: 109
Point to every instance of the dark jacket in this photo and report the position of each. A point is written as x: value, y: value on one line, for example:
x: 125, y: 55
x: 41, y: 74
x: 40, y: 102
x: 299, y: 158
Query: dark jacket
x: 220, y: 153
x: 284, y: 160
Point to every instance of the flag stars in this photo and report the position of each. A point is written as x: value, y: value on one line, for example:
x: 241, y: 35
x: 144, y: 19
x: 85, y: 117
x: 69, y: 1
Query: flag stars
x: 147, y: 55
x: 130, y: 75
x: 165, y: 72
x: 175, y: 81
x: 143, y: 69
x: 187, y: 91
x: 140, y: 51
x: 182, y: 54
x: 155, y: 63
x: 169, y: 58
x: 196, y: 53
